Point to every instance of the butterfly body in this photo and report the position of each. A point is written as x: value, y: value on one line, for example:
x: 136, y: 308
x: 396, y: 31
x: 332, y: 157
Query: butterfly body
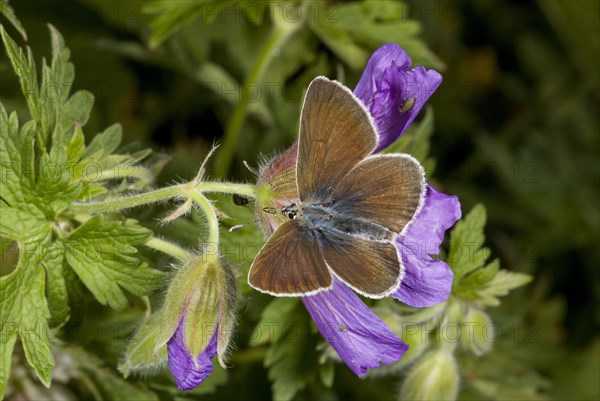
x: 352, y: 205
x: 323, y: 217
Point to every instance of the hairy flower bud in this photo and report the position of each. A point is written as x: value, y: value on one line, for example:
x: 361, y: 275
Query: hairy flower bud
x: 277, y: 178
x: 478, y: 333
x: 197, y: 319
x: 433, y: 377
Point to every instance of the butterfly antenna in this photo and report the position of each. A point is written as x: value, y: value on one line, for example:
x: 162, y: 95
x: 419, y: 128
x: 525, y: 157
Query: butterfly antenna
x: 237, y: 226
x: 273, y: 187
x: 250, y: 168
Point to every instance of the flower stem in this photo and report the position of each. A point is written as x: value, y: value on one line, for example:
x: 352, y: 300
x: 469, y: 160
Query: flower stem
x: 138, y: 172
x: 168, y: 248
x: 114, y: 205
x: 211, y: 218
x: 176, y: 191
x: 227, y: 187
x: 280, y: 32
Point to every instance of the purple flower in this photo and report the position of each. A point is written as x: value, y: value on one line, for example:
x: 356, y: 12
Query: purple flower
x: 360, y: 338
x: 197, y: 319
x: 394, y: 96
x: 188, y: 371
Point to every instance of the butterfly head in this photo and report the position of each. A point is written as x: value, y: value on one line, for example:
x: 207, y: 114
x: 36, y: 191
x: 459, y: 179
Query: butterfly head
x: 291, y: 211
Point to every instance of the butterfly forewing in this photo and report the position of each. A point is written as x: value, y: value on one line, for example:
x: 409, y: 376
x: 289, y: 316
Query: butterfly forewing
x: 336, y: 133
x: 369, y: 267
x: 290, y: 263
x: 382, y: 189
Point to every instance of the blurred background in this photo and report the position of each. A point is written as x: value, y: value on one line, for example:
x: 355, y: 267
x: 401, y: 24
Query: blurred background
x: 516, y: 128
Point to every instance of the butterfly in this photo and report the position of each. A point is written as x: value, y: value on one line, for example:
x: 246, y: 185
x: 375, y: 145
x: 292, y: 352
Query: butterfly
x: 353, y: 204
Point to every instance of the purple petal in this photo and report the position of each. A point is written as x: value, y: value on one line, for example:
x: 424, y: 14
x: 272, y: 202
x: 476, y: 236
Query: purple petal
x: 439, y: 213
x: 388, y: 89
x: 379, y: 61
x: 361, y: 339
x: 427, y: 282
x: 181, y: 362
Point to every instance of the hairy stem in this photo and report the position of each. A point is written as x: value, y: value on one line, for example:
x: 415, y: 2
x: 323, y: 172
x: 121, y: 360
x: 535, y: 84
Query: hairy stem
x: 227, y: 187
x: 168, y: 248
x: 134, y: 171
x: 114, y: 205
x: 211, y: 218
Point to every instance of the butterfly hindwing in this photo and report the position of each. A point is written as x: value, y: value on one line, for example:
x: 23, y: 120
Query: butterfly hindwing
x: 370, y: 267
x: 383, y: 189
x: 290, y: 263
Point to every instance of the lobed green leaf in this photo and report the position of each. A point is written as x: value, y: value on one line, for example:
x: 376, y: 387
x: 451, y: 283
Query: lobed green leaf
x: 102, y: 254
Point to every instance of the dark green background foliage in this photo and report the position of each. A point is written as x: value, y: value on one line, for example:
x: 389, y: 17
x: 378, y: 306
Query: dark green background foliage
x: 516, y: 128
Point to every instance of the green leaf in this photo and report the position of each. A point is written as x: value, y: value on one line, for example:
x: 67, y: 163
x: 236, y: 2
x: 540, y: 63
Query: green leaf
x: 500, y: 285
x: 115, y: 388
x: 471, y: 283
x: 105, y: 142
x: 141, y: 354
x: 473, y: 280
x: 102, y: 253
x: 17, y: 163
x: 327, y: 373
x: 6, y: 348
x: 9, y: 14
x: 466, y: 240
x: 337, y: 38
x: 24, y: 313
x: 56, y: 286
x: 21, y: 225
x: 75, y: 111
x: 24, y: 67
x: 292, y: 356
x: 353, y: 30
x: 75, y: 147
x: 277, y: 316
x: 54, y: 91
x: 55, y: 189
x: 104, y: 383
x: 170, y: 16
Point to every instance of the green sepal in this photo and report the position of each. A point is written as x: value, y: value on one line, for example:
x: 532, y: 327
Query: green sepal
x: 141, y: 354
x: 478, y: 331
x: 202, y: 313
x: 177, y: 298
x: 228, y: 307
x: 433, y: 377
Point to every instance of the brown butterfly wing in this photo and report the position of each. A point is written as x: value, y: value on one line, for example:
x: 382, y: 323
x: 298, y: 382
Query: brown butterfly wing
x: 290, y: 263
x: 383, y: 189
x: 336, y: 133
x: 371, y: 268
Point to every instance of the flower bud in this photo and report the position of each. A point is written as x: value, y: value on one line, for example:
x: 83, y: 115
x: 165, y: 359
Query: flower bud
x: 479, y: 332
x: 197, y: 319
x: 411, y: 331
x: 277, y: 183
x: 433, y: 377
